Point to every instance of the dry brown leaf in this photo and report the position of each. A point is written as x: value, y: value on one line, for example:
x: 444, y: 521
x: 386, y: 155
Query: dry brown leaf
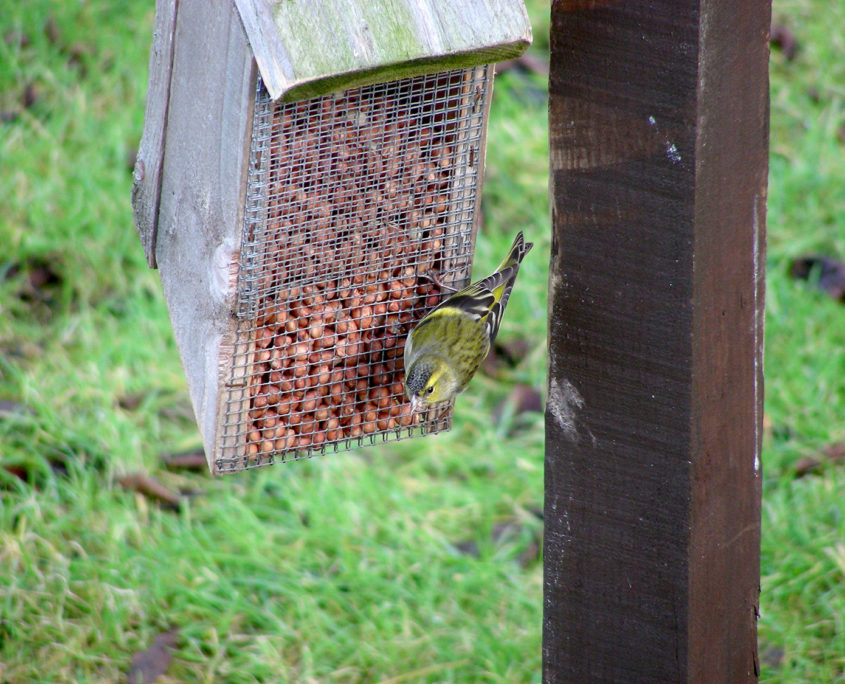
x: 150, y: 488
x: 193, y: 459
x: 831, y: 273
x: 150, y: 664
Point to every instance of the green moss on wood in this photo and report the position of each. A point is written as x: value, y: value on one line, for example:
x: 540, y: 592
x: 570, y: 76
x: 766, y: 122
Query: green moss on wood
x: 394, y: 72
x: 322, y: 47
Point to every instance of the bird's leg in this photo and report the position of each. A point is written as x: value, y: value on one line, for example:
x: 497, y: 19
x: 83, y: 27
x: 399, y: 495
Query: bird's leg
x: 435, y: 278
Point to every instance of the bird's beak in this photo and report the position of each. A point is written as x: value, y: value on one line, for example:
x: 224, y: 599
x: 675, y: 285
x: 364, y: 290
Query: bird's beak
x: 416, y: 404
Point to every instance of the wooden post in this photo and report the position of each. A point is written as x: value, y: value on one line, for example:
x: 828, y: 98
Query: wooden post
x: 658, y: 144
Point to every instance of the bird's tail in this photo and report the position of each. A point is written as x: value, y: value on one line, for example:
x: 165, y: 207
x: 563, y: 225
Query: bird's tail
x: 517, y: 252
x: 501, y: 283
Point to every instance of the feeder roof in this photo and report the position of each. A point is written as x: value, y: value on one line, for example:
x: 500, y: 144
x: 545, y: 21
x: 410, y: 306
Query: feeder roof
x: 306, y: 48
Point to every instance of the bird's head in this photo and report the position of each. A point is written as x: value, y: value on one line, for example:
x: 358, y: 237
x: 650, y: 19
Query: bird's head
x: 429, y: 381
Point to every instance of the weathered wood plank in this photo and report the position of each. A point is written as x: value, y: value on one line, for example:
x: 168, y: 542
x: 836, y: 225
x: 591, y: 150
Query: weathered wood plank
x: 658, y: 149
x: 727, y: 339
x: 146, y: 186
x: 305, y: 48
x: 204, y: 177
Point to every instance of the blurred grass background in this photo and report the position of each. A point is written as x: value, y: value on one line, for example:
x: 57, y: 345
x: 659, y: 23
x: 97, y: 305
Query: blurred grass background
x: 411, y: 562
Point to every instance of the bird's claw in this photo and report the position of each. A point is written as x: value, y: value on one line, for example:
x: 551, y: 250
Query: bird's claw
x: 434, y: 278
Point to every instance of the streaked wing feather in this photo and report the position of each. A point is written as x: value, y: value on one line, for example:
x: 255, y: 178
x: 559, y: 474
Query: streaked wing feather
x: 476, y: 304
x: 485, y: 299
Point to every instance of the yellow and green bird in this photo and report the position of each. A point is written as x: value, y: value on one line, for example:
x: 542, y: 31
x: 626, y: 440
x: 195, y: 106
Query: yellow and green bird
x: 446, y: 347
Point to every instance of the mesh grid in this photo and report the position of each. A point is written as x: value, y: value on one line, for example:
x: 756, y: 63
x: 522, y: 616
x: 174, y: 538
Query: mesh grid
x: 353, y: 200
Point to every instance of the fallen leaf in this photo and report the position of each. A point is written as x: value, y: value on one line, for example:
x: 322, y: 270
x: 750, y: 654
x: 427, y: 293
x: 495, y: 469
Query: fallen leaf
x: 51, y: 30
x: 835, y: 452
x: 530, y: 554
x: 179, y: 410
x: 16, y: 39
x: 77, y: 54
x: 21, y: 349
x: 507, y: 353
x: 525, y: 399
x: 10, y: 409
x: 831, y: 273
x: 41, y: 278
x: 193, y: 459
x: 784, y: 40
x: 468, y: 547
x: 513, y: 350
x: 772, y: 656
x: 41, y: 275
x: 513, y: 529
x: 150, y: 664
x: 31, y: 93
x: 15, y: 411
x: 150, y: 488
x: 131, y: 401
x: 32, y: 473
x: 805, y: 466
x: 522, y: 399
x: 506, y: 530
x: 18, y: 470
x: 829, y: 455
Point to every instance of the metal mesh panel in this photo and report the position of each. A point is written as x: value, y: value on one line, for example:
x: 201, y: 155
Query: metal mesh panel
x: 352, y: 200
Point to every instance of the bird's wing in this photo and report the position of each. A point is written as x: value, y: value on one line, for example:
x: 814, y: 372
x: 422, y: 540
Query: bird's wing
x: 484, y: 300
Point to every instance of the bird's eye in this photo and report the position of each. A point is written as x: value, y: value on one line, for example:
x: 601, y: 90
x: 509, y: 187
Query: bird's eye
x: 430, y: 389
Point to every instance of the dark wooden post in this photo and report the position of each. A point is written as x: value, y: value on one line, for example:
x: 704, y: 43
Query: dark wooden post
x: 659, y: 142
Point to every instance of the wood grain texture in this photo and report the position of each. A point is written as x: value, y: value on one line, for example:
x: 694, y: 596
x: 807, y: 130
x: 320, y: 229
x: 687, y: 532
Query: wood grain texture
x: 305, y: 48
x: 727, y: 339
x: 658, y: 150
x: 203, y: 186
x: 146, y: 186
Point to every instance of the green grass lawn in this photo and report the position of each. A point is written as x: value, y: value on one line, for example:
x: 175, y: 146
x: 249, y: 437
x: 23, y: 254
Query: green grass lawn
x: 411, y: 562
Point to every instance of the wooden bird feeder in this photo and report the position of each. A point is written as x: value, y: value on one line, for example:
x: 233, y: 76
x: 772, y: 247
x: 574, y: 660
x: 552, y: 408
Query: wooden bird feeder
x: 305, y: 167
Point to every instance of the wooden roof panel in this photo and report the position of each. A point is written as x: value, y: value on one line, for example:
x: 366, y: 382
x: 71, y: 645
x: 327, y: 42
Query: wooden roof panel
x: 306, y: 48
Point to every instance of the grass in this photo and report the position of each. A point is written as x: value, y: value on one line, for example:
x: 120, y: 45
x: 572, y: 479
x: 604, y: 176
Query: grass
x: 412, y: 562
x: 802, y: 631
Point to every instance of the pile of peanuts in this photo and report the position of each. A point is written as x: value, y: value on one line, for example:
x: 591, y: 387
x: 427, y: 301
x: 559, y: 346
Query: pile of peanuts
x: 358, y: 203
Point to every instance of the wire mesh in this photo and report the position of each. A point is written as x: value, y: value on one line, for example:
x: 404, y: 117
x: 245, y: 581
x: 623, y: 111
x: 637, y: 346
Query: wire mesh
x: 359, y: 204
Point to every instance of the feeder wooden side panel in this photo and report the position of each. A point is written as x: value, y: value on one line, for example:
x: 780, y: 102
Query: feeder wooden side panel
x: 146, y: 188
x: 203, y: 186
x: 367, y: 41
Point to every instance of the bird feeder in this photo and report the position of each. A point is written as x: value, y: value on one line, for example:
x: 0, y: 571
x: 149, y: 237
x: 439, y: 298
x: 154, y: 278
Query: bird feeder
x: 308, y: 186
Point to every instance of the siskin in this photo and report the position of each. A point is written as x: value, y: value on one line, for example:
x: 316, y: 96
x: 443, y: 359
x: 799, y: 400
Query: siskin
x: 446, y: 347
